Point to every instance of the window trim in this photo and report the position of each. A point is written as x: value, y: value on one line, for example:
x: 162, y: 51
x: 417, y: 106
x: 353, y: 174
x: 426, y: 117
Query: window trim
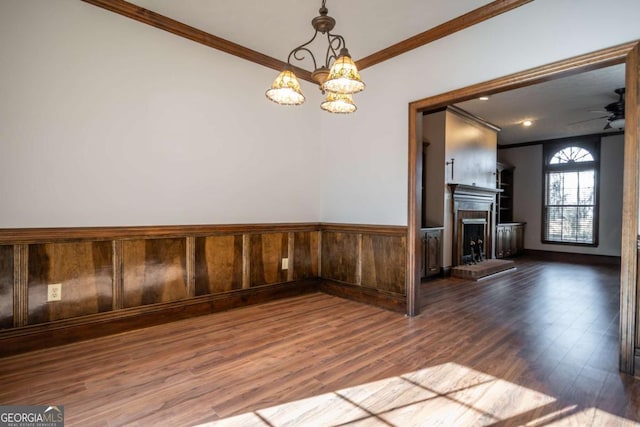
x: 591, y: 144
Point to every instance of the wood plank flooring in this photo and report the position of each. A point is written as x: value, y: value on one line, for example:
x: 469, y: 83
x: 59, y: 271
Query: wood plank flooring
x: 536, y: 347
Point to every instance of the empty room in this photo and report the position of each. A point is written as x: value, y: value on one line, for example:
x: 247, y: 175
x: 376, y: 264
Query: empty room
x: 406, y: 213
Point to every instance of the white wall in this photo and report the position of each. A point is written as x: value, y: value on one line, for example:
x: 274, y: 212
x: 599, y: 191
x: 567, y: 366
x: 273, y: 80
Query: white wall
x: 527, y: 203
x: 366, y: 166
x: 107, y: 121
x: 611, y: 181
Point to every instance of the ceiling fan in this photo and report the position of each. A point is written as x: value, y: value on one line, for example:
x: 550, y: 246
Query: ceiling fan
x: 615, y: 112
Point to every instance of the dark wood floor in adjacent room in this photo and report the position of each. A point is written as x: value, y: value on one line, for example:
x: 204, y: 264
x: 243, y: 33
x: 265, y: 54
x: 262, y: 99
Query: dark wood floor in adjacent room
x: 538, y: 346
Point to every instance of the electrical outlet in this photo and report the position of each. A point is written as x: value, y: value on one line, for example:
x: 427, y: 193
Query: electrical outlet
x: 285, y: 263
x: 54, y: 292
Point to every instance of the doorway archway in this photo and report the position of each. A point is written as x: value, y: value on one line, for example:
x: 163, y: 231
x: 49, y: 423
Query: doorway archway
x: 629, y: 54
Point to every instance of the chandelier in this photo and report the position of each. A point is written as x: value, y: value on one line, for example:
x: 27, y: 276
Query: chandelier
x: 337, y: 77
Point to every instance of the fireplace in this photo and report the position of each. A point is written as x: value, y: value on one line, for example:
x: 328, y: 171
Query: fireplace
x: 473, y: 238
x: 473, y: 220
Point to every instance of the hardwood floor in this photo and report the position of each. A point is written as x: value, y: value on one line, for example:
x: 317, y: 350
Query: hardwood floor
x: 538, y: 347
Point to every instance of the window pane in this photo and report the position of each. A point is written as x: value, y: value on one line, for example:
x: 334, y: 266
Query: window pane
x: 570, y: 190
x: 554, y: 224
x: 569, y: 223
x: 554, y: 189
x: 587, y: 188
x: 584, y: 228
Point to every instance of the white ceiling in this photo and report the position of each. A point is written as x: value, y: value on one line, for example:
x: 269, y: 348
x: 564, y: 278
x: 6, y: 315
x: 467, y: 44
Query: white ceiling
x: 555, y: 107
x: 275, y: 27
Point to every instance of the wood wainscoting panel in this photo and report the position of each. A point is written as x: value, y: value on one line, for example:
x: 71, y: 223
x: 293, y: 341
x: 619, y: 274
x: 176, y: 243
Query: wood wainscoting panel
x: 384, y: 262
x: 266, y: 253
x: 6, y: 286
x: 218, y: 264
x: 154, y: 271
x: 340, y: 256
x: 305, y: 255
x: 85, y: 271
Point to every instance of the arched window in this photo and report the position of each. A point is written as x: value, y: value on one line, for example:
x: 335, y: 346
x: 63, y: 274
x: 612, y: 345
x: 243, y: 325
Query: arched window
x: 570, y: 208
x: 571, y: 154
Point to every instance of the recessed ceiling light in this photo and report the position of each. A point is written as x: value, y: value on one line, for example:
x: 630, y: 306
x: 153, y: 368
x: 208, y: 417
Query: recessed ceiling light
x: 484, y: 98
x: 527, y: 123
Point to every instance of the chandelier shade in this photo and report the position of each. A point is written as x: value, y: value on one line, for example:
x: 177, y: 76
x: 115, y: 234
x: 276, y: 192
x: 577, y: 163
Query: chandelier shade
x: 285, y: 89
x: 338, y: 75
x: 344, y: 76
x: 617, y: 123
x: 338, y: 103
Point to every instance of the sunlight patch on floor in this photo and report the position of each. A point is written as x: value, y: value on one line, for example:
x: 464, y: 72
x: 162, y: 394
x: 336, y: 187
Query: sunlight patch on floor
x: 446, y: 395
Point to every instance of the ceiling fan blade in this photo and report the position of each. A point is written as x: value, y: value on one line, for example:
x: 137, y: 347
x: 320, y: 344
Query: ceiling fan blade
x: 588, y: 120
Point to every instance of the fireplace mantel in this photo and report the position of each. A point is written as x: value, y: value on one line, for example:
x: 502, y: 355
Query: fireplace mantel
x: 466, y: 190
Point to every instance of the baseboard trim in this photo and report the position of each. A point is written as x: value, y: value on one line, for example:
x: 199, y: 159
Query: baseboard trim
x: 43, y: 336
x: 573, y: 257
x: 361, y: 294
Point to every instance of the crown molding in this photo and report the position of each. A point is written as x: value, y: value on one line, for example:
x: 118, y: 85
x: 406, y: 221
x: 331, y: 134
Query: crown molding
x: 469, y: 19
x: 178, y: 28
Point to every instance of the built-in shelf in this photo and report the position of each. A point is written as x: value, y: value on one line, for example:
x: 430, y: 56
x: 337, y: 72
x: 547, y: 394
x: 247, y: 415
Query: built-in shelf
x: 504, y: 200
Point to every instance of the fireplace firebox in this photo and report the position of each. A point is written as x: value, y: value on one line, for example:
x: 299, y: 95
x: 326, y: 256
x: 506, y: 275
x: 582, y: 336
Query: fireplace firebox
x: 474, y: 236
